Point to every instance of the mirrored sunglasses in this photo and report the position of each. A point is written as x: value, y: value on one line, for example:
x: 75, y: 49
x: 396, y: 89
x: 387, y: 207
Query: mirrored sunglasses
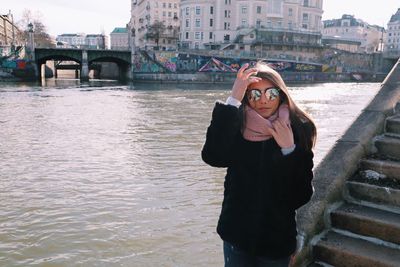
x: 270, y: 93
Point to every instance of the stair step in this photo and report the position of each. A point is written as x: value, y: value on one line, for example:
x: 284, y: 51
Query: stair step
x: 393, y: 124
x: 387, y: 167
x: 388, y: 146
x: 374, y: 194
x: 340, y: 250
x: 397, y: 108
x: 368, y: 221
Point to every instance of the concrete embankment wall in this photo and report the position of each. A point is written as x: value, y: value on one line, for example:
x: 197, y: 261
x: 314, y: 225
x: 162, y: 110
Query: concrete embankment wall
x: 342, y: 162
x: 224, y: 77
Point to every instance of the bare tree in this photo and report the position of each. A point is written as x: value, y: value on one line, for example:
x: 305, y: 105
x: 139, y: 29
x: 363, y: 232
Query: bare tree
x: 155, y: 31
x: 42, y: 38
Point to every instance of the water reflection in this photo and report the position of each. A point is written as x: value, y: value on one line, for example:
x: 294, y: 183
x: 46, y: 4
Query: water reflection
x: 110, y: 174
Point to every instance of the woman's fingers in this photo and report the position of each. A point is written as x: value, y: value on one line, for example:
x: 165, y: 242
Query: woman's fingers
x: 250, y: 72
x: 243, y: 68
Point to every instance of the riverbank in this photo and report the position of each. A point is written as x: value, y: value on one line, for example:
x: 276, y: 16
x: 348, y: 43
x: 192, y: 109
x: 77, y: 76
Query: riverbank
x: 228, y: 78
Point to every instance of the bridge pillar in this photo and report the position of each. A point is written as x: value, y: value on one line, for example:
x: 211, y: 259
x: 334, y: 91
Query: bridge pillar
x: 84, y: 66
x: 128, y: 73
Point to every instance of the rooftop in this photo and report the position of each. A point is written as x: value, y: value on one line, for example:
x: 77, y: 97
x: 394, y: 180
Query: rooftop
x: 395, y: 17
x: 120, y: 30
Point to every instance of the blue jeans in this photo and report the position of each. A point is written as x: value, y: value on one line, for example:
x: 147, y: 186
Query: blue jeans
x: 235, y: 257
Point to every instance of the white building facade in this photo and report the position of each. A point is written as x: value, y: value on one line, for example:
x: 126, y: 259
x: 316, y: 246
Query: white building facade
x: 119, y: 39
x: 155, y: 24
x: 350, y: 29
x: 80, y: 40
x: 393, y: 35
x: 74, y: 40
x: 219, y: 23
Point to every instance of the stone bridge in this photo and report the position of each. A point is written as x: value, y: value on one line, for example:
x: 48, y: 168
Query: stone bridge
x: 85, y: 58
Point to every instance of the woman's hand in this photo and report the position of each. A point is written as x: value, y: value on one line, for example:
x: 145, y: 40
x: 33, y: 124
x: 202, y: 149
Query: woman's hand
x: 244, y: 77
x: 282, y: 134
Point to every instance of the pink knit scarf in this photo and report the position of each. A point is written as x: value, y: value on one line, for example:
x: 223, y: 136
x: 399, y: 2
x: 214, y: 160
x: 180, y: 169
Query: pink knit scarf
x: 258, y: 128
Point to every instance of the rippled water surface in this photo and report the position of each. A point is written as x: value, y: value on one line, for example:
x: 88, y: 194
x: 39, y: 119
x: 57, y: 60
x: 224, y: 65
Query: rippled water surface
x: 102, y: 174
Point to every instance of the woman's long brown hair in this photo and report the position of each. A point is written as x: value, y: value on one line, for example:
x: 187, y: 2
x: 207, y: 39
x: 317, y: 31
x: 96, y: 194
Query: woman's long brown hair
x: 302, y: 124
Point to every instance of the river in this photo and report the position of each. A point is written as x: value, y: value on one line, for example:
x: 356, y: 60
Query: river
x: 105, y: 174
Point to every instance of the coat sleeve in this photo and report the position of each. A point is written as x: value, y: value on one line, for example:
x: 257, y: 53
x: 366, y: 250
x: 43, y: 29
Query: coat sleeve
x: 294, y: 185
x: 221, y: 134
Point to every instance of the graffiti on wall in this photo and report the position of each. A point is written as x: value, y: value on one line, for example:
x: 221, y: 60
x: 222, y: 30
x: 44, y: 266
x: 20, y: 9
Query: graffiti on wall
x: 168, y: 60
x: 189, y: 63
x: 18, y: 64
x: 214, y: 65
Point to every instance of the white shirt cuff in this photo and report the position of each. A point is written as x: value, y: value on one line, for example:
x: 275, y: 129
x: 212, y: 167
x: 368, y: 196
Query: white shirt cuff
x: 287, y: 151
x: 233, y: 102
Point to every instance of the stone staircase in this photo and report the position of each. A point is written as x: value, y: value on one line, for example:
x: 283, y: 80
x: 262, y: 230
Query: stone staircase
x: 365, y: 228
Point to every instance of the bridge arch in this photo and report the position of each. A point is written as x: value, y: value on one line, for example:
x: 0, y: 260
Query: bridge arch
x: 86, y: 58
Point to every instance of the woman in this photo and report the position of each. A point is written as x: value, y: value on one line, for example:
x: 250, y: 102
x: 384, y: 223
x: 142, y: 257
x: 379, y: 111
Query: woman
x: 265, y: 140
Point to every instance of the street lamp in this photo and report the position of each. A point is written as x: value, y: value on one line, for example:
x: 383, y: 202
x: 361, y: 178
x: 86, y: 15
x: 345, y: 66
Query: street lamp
x: 31, y: 42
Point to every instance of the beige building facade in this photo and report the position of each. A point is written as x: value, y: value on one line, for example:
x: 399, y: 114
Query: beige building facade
x: 155, y: 24
x: 350, y: 29
x: 9, y: 34
x: 244, y: 23
x: 393, y: 35
x: 119, y: 39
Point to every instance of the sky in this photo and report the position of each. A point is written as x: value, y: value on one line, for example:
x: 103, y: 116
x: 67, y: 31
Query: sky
x: 96, y: 16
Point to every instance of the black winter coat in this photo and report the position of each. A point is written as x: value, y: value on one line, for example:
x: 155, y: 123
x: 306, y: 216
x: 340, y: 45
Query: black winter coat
x: 263, y: 188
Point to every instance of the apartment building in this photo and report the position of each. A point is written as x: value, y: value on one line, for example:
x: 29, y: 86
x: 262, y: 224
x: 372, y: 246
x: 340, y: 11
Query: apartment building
x: 249, y: 24
x: 119, y: 39
x: 155, y: 24
x: 393, y: 34
x: 348, y: 29
x: 96, y: 41
x: 75, y: 40
x: 9, y: 34
x: 81, y: 40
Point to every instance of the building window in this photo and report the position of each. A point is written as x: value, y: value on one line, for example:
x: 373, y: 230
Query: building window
x: 197, y: 10
x: 258, y: 9
x: 211, y: 22
x: 187, y: 23
x: 187, y: 35
x: 175, y: 5
x: 187, y: 11
x: 244, y: 9
x: 290, y: 25
x: 290, y: 12
x: 227, y: 26
x: 305, y: 17
x: 197, y: 23
x: 306, y: 3
x: 164, y: 5
x: 211, y: 10
x: 258, y: 23
x: 197, y: 35
x: 164, y: 13
x: 210, y: 36
x: 169, y: 14
x: 169, y: 5
x: 244, y: 22
x: 275, y: 7
x: 304, y: 26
